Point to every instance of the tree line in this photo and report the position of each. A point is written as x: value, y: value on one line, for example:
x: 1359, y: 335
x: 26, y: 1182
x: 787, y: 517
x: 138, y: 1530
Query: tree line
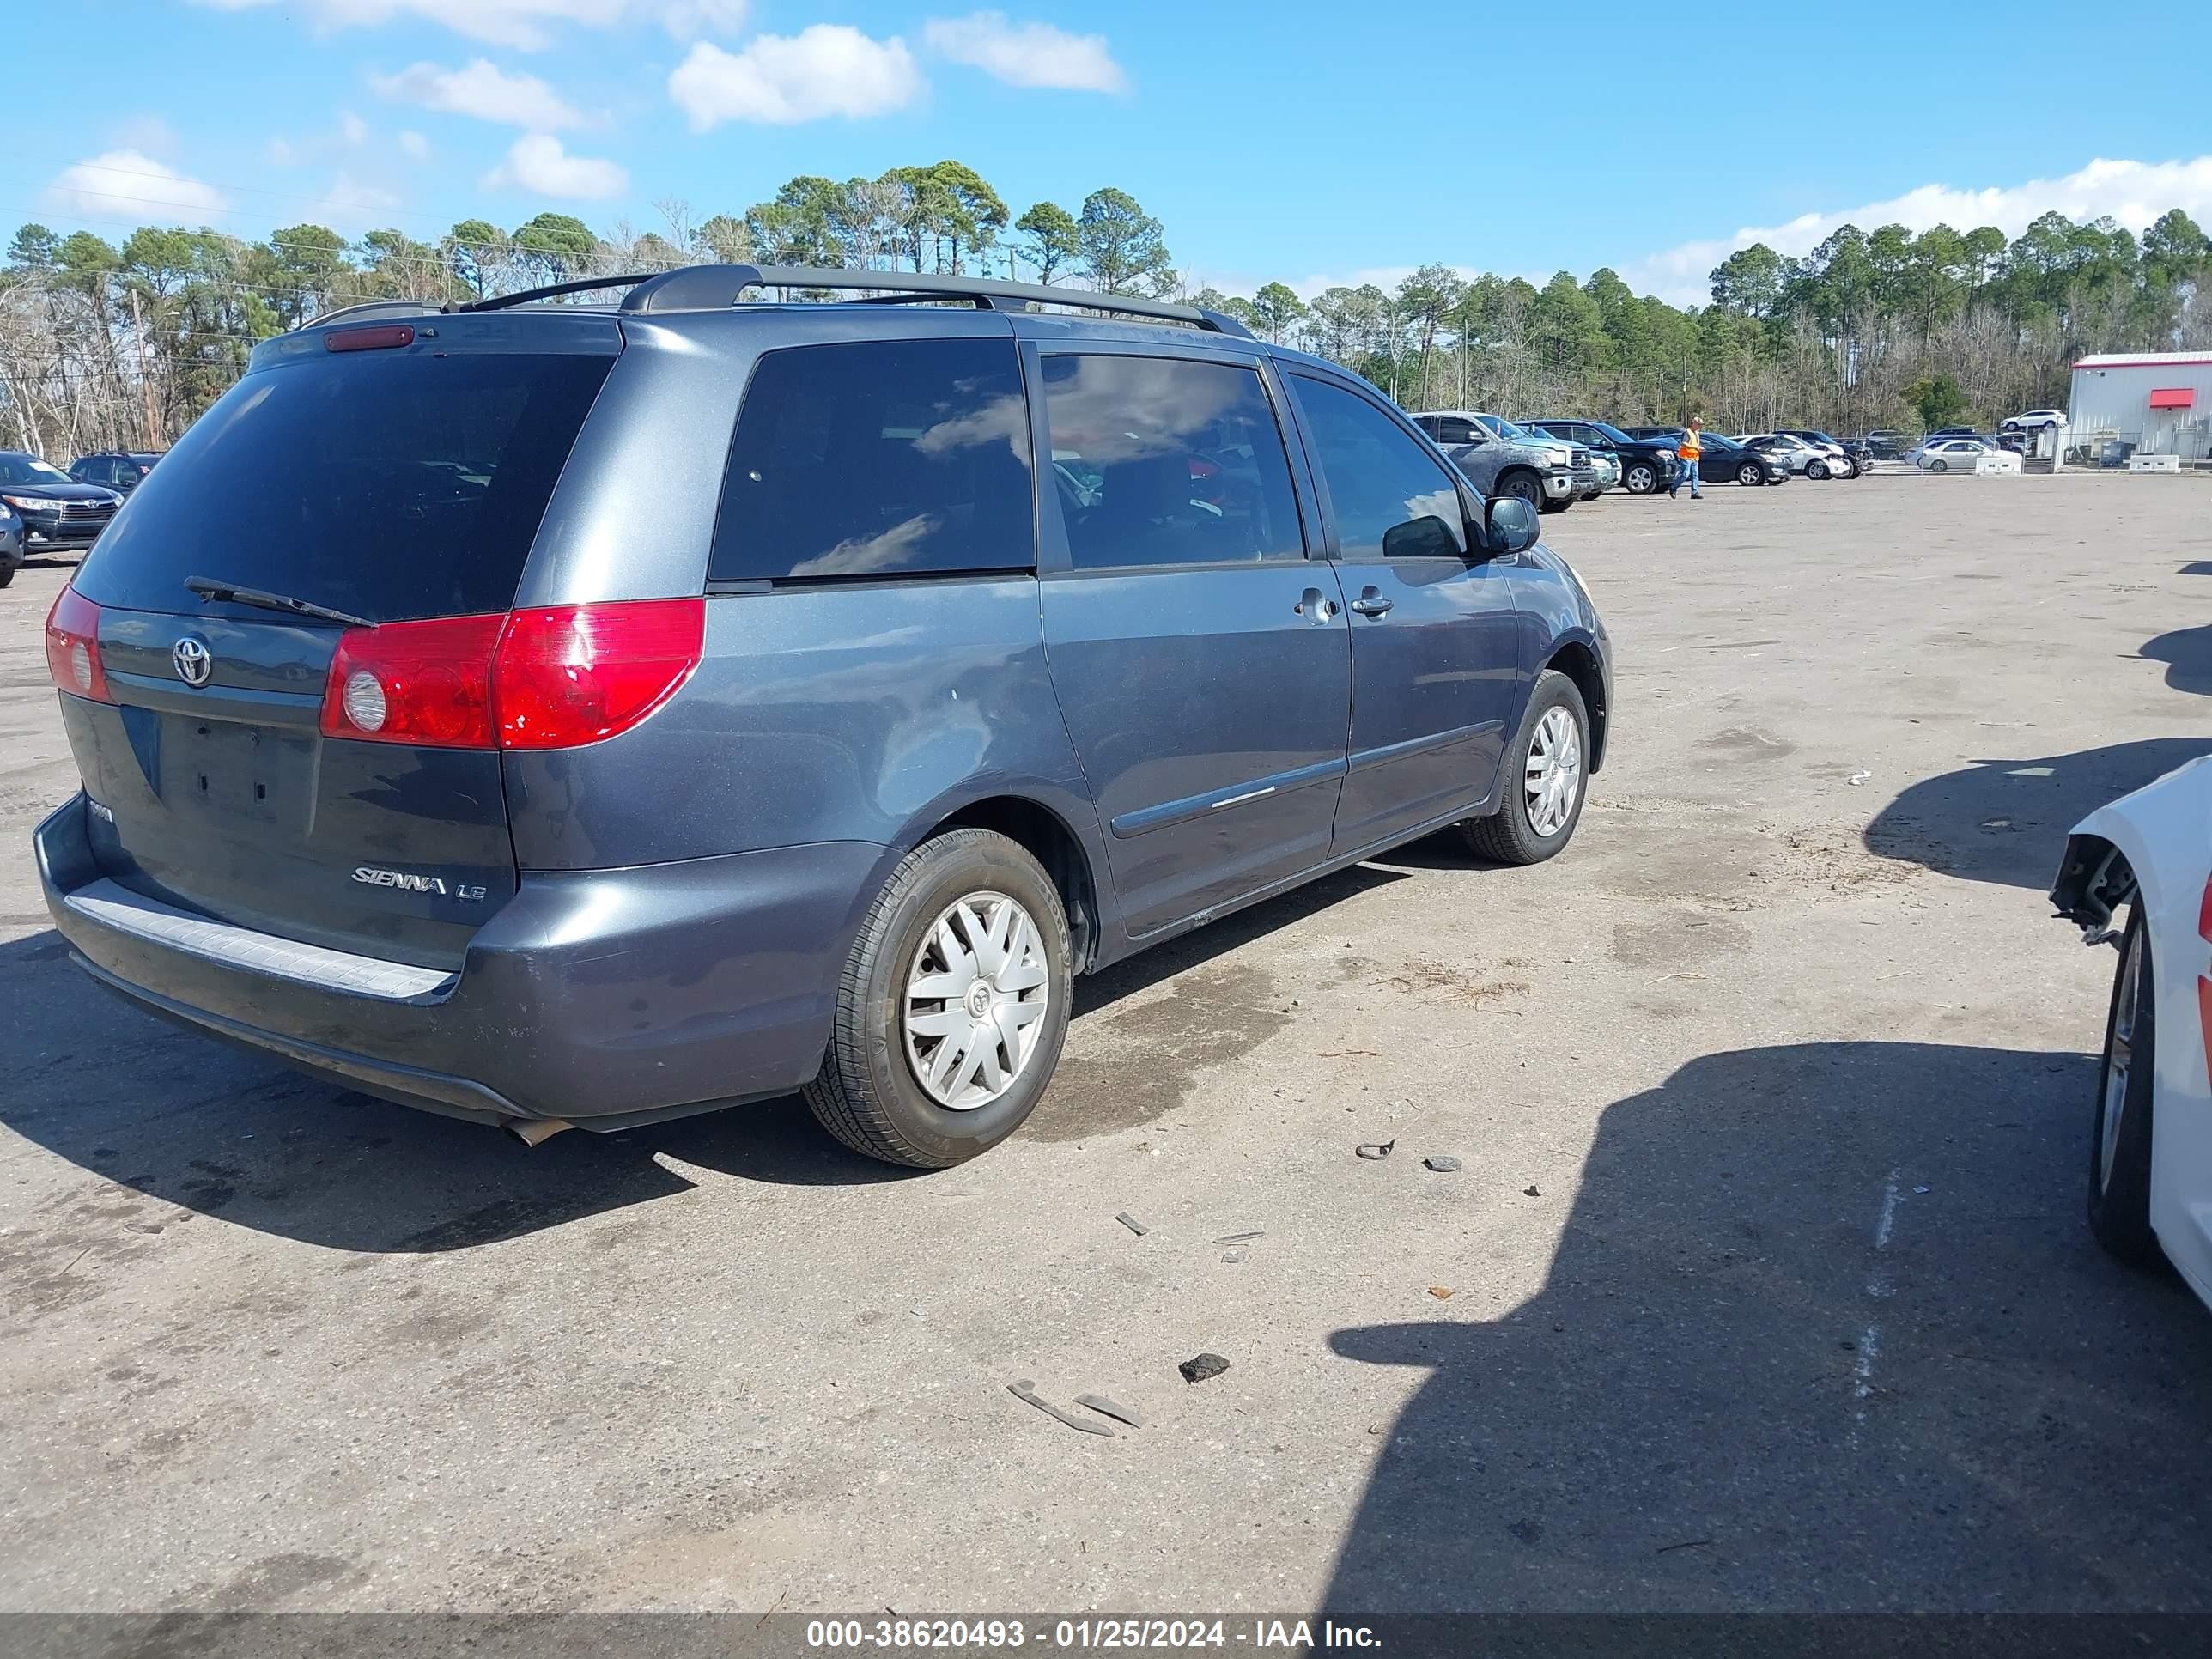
x: 107, y: 343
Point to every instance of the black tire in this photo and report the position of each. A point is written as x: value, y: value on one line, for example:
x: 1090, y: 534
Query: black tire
x: 867, y: 1094
x: 1751, y: 472
x: 1525, y: 485
x: 1640, y: 477
x: 1507, y: 837
x: 1560, y: 505
x: 1816, y: 470
x: 2119, y: 1185
x: 6, y: 575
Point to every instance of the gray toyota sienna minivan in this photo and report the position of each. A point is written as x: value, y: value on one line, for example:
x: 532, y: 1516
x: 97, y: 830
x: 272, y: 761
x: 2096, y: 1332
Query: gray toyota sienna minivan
x: 554, y: 716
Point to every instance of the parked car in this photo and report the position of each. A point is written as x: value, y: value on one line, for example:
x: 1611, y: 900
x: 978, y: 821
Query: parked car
x: 1646, y: 464
x: 119, y: 470
x: 2033, y: 420
x: 11, y: 544
x: 57, y: 512
x: 1843, y: 459
x: 1949, y: 454
x: 1884, y: 444
x: 836, y: 781
x: 1539, y: 472
x: 1810, y: 460
x: 1724, y: 458
x: 2151, y: 1126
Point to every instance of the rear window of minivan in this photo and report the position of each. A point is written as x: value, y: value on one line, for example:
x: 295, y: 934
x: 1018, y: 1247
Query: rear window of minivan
x: 388, y: 484
x: 878, y: 458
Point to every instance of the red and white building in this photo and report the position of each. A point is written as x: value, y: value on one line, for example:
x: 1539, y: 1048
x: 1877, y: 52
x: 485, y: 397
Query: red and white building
x: 2159, y: 401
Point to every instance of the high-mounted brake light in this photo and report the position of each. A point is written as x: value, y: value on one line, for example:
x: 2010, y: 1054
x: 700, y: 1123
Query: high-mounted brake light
x: 382, y: 337
x: 556, y: 678
x: 73, y: 646
x: 2203, y: 983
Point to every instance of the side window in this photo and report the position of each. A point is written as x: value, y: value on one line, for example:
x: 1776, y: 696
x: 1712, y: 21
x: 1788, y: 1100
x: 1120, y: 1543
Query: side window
x: 1456, y: 432
x: 1391, y: 500
x: 92, y: 471
x: 1167, y: 461
x: 879, y: 459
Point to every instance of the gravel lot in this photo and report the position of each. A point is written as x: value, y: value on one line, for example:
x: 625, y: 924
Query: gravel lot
x: 1768, y: 1282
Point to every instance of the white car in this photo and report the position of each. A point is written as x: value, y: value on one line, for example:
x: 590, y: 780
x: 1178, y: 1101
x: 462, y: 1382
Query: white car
x: 2034, y: 420
x: 1809, y: 459
x: 2150, y: 1140
x: 1951, y: 454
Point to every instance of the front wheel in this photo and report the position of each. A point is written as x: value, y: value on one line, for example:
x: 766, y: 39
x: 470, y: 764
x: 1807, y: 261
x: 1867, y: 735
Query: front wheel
x: 1546, y: 772
x: 1751, y: 473
x: 2120, y: 1133
x: 1816, y: 470
x: 1640, y: 479
x: 952, y: 1006
x: 7, y: 574
x: 1524, y: 486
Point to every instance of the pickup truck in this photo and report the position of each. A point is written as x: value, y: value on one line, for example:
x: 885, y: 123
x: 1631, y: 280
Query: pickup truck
x: 1499, y: 460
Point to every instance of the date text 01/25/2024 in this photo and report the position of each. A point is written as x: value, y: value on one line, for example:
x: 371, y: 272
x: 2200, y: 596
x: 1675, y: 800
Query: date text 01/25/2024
x: 828, y: 1635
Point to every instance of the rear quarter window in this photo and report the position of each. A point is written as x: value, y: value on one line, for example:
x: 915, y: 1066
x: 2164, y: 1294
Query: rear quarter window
x: 878, y: 458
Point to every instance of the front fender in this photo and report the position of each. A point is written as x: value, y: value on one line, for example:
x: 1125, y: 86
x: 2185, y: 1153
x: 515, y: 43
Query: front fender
x: 2150, y: 840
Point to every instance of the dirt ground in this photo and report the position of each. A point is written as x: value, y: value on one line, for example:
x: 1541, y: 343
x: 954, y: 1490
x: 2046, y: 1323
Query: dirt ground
x: 1765, y: 1284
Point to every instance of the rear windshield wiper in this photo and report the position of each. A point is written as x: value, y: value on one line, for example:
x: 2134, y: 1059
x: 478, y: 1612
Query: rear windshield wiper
x: 209, y: 588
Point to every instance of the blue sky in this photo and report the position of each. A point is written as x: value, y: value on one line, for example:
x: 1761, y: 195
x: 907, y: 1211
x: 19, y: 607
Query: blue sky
x: 1297, y: 140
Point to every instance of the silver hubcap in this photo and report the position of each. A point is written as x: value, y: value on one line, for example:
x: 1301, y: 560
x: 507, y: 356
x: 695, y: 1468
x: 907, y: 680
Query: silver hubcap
x: 2119, y: 1059
x: 976, y: 1001
x: 1554, y: 774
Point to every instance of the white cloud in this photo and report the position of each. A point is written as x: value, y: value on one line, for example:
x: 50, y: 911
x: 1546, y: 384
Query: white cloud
x: 826, y: 70
x: 526, y: 25
x: 414, y: 146
x: 351, y: 204
x: 352, y: 129
x: 538, y: 164
x: 1026, y: 54
x: 128, y: 181
x: 2133, y: 193
x: 483, y: 89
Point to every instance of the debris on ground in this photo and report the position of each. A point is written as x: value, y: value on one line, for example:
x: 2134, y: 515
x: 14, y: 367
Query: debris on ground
x: 1441, y: 1293
x: 1442, y: 1162
x: 1530, y: 1192
x: 1132, y: 1224
x: 1200, y: 1367
x: 1026, y: 1389
x: 1242, y: 1238
x: 1858, y: 777
x: 1923, y: 1189
x: 1232, y: 1257
x: 1375, y: 1149
x: 1099, y: 1402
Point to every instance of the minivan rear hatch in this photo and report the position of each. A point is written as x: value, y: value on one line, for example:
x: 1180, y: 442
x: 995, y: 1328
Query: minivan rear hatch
x: 388, y: 473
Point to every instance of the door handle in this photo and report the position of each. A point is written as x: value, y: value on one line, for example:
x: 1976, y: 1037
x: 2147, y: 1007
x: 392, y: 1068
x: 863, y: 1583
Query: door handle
x: 1372, y: 603
x: 1315, y: 606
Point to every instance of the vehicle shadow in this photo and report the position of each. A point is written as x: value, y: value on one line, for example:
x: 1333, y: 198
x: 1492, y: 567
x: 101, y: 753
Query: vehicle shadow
x: 2187, y: 655
x: 228, y: 1133
x: 1824, y: 1331
x: 2197, y: 568
x: 2006, y: 821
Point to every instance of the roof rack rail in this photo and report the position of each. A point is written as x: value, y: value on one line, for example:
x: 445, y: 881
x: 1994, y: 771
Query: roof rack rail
x: 368, y: 308
x: 554, y: 290
x: 710, y: 288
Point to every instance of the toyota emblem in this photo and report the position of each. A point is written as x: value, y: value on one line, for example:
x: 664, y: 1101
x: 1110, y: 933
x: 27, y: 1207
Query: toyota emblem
x: 193, y: 662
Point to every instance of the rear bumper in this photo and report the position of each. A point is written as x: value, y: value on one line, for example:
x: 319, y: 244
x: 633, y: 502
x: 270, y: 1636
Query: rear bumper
x: 605, y: 997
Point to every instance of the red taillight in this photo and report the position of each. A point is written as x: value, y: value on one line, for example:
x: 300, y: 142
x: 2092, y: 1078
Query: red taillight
x: 552, y: 678
x: 2204, y: 984
x: 73, y: 646
x: 383, y: 338
x: 422, y: 683
x: 577, y: 673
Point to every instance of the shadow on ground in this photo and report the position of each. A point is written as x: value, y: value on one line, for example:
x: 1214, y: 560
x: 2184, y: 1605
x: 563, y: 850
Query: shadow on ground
x: 224, y: 1132
x: 2006, y: 821
x: 2187, y: 655
x: 2197, y: 568
x: 1825, y: 1330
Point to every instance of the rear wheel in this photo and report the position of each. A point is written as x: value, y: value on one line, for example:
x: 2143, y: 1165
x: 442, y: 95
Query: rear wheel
x: 1939, y: 466
x: 1641, y: 478
x: 1547, y: 769
x: 2119, y: 1136
x: 952, y: 1006
x: 1751, y: 473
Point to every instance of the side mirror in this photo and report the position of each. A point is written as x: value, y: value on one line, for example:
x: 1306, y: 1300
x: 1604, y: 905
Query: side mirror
x: 1511, y: 523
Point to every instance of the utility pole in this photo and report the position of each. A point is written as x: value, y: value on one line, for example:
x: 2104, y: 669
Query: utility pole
x: 145, y: 390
